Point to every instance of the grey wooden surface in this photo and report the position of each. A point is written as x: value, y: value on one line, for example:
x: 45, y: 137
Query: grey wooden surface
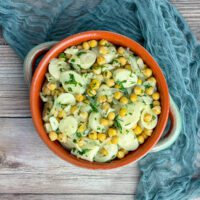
x: 28, y: 169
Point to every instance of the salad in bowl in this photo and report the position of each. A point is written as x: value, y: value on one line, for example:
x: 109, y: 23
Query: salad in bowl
x: 100, y: 100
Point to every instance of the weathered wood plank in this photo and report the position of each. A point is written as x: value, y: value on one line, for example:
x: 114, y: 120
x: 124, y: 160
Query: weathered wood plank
x: 64, y: 197
x: 28, y: 166
x: 14, y: 95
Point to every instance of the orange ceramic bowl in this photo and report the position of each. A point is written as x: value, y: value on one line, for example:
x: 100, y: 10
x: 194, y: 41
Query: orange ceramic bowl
x: 117, y: 39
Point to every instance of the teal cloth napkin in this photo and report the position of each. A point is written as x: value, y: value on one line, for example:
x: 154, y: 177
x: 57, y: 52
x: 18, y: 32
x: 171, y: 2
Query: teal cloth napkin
x: 171, y: 174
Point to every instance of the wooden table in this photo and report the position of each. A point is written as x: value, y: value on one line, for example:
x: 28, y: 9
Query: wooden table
x: 28, y: 169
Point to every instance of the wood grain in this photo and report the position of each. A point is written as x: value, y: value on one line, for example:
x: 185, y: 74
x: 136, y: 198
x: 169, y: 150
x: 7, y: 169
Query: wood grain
x: 28, y: 169
x: 35, y: 169
x: 65, y: 197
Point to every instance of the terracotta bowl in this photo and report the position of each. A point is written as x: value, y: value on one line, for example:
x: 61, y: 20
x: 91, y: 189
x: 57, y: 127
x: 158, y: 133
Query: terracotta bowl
x: 117, y: 39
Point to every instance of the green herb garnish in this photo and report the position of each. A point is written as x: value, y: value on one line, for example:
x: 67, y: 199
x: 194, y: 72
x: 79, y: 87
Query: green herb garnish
x: 81, y: 53
x: 72, y: 60
x: 93, y: 104
x: 147, y: 86
x: 84, y: 151
x: 153, y: 117
x: 117, y: 124
x: 62, y: 55
x: 78, y: 135
x: 72, y: 80
x: 74, y: 141
x: 70, y: 89
x: 122, y: 88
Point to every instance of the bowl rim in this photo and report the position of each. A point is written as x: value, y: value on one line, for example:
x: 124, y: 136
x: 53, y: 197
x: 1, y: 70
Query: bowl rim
x: 116, y: 39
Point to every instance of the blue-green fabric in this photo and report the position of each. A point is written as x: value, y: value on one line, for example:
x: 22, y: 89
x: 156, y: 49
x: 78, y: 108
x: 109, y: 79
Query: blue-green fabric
x: 174, y: 173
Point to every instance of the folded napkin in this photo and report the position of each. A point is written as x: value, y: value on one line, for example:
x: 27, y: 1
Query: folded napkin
x: 171, y: 174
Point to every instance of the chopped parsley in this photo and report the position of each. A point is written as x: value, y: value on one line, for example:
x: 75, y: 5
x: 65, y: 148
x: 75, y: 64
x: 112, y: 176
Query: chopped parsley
x: 127, y: 124
x: 74, y: 141
x: 117, y: 124
x: 84, y: 151
x: 81, y: 53
x: 153, y: 117
x: 62, y: 69
x: 72, y: 80
x: 62, y: 55
x: 151, y: 105
x: 122, y: 88
x: 93, y: 104
x: 78, y: 135
x: 147, y: 86
x: 72, y: 60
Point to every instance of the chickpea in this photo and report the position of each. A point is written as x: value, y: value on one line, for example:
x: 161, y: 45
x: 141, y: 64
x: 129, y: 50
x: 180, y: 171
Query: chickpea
x: 104, y: 152
x: 123, y: 100
x: 138, y: 90
x: 73, y: 109
x: 51, y: 86
x: 101, y: 60
x: 86, y: 46
x: 91, y: 92
x: 122, y: 112
x: 147, y: 72
x: 140, y: 139
x: 95, y: 84
x: 46, y: 90
x: 111, y: 116
x: 79, y: 97
x: 138, y: 130
x: 156, y: 103
x: 53, y: 136
x: 101, y: 136
x: 62, y: 138
x: 120, y: 50
x: 84, y: 115
x: 114, y: 140
x: 82, y: 127
x: 117, y: 86
x: 139, y: 81
x: 149, y: 90
x: 106, y: 106
x: 92, y: 135
x: 103, y: 42
x: 122, y: 60
x: 151, y: 79
x: 127, y: 66
x: 118, y: 95
x: 133, y: 97
x: 156, y: 96
x: 144, y: 135
x: 80, y: 142
x: 148, y: 132
x: 110, y: 82
x: 120, y: 154
x: 112, y: 132
x: 102, y: 99
x: 147, y: 117
x: 96, y: 70
x: 110, y: 123
x: 156, y: 110
x: 104, y: 122
x: 61, y: 114
x: 103, y: 50
x: 92, y: 43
